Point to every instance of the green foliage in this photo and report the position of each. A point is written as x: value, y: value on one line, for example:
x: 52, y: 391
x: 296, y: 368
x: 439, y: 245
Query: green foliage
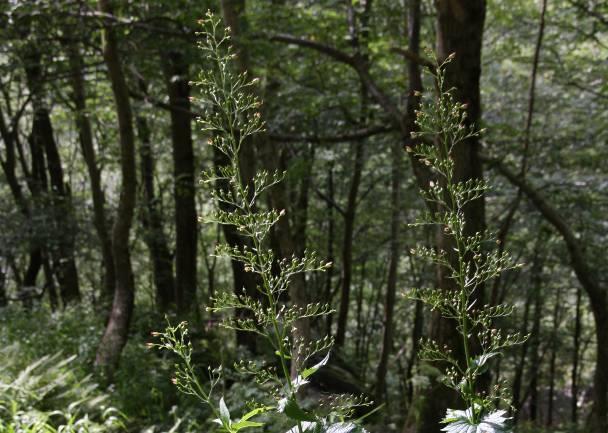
x: 47, y: 397
x: 473, y: 262
x: 231, y: 119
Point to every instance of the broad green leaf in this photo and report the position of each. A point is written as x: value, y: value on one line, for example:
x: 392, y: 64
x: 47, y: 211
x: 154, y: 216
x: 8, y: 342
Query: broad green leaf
x: 293, y: 411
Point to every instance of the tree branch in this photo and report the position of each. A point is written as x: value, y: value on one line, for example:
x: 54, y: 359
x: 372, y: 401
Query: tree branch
x: 338, y: 138
x: 416, y: 58
x: 578, y: 260
x: 328, y: 50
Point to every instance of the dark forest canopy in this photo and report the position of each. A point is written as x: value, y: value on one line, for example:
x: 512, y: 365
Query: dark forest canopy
x: 394, y: 144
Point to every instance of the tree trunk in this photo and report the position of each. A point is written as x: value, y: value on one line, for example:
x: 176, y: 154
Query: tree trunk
x: 459, y: 30
x: 186, y: 229
x: 523, y: 353
x: 598, y: 420
x: 575, y: 359
x: 117, y: 328
x: 43, y: 138
x: 391, y: 286
x: 87, y: 146
x: 243, y: 281
x: 3, y: 297
x: 50, y: 284
x: 8, y: 164
x: 553, y: 359
x: 347, y: 241
x: 327, y: 293
x: 160, y: 255
x: 535, y: 358
x: 232, y: 11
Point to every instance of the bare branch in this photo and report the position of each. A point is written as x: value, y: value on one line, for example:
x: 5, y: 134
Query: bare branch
x: 338, y: 138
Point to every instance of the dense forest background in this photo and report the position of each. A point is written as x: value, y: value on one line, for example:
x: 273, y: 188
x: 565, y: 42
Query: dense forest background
x: 101, y: 154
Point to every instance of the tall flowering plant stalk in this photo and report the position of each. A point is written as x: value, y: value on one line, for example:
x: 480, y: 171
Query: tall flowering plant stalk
x: 231, y: 118
x: 472, y: 262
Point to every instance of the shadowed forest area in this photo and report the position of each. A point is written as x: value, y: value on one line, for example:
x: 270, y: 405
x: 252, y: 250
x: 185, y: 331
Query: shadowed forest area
x: 290, y: 216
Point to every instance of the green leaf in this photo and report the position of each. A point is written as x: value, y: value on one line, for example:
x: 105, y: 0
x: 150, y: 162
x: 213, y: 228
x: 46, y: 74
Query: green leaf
x: 255, y: 412
x: 484, y: 358
x: 282, y: 355
x: 293, y: 411
x: 341, y: 427
x: 312, y: 370
x: 224, y: 412
x: 481, y: 362
x: 245, y: 424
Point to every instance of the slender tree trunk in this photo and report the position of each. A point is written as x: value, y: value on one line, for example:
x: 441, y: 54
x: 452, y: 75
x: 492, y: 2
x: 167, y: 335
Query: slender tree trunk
x: 160, y: 255
x: 553, y: 359
x: 598, y: 294
x: 327, y: 295
x: 3, y: 297
x: 358, y: 29
x: 9, y: 163
x: 186, y: 229
x: 391, y: 286
x: 519, y: 369
x: 347, y: 240
x: 50, y: 284
x: 43, y: 138
x: 117, y: 328
x: 233, y: 14
x: 87, y: 146
x: 414, y: 86
x: 535, y: 358
x: 417, y: 329
x: 575, y: 359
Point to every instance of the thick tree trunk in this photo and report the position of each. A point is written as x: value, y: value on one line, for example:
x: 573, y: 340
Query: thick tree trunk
x: 186, y: 229
x: 231, y: 11
x: 160, y: 255
x: 117, y: 328
x: 459, y: 30
x: 87, y: 146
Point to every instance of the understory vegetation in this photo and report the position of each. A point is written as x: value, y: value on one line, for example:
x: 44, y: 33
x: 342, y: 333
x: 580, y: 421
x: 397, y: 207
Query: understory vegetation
x: 354, y: 216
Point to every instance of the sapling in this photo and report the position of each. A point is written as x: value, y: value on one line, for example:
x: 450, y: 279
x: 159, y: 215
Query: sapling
x: 472, y: 262
x: 231, y: 118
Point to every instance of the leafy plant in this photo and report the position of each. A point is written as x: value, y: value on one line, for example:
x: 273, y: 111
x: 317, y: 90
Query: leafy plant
x: 232, y: 119
x: 48, y: 397
x: 473, y: 262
